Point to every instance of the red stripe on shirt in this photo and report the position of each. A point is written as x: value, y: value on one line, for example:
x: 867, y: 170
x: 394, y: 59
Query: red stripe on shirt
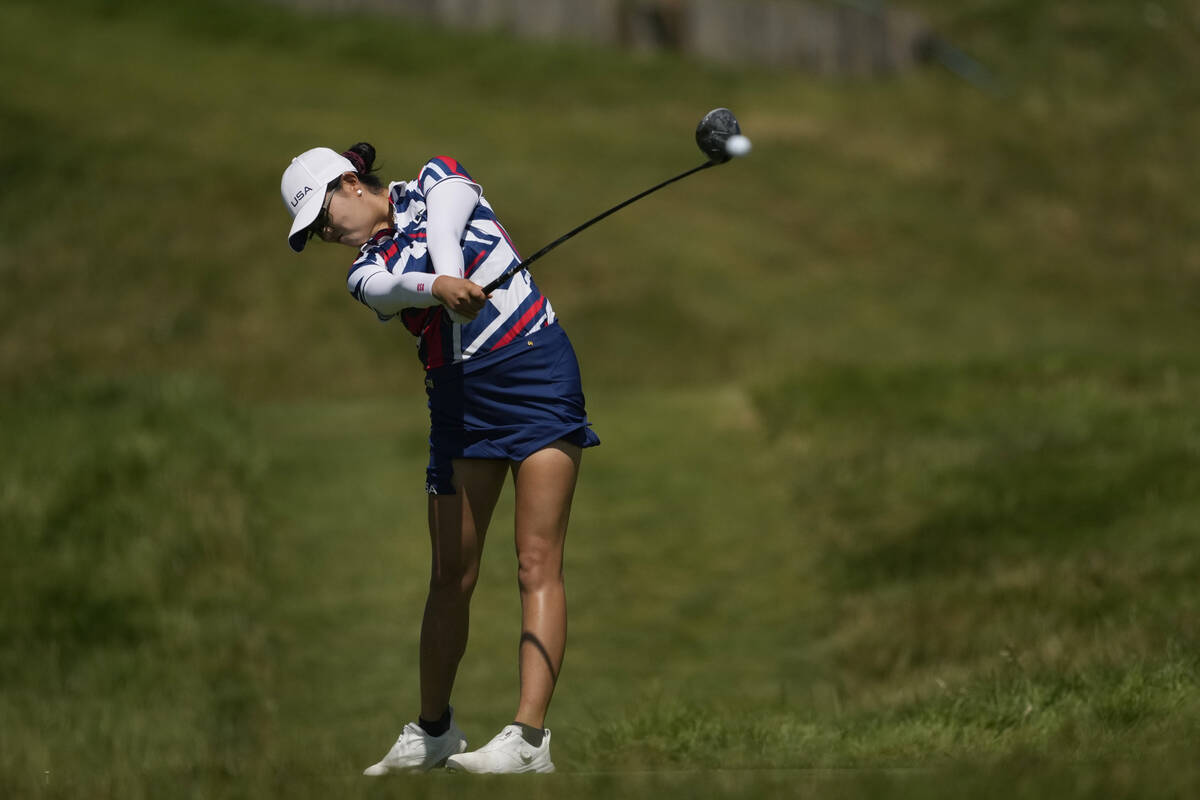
x: 434, y: 357
x: 504, y: 233
x: 451, y: 164
x: 475, y: 263
x: 415, y: 319
x: 525, y: 319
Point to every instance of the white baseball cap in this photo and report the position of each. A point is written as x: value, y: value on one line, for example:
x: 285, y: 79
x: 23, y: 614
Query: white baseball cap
x: 303, y: 188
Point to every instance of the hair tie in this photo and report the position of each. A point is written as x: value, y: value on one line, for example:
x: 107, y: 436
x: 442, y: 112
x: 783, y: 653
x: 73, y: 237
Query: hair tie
x: 360, y: 166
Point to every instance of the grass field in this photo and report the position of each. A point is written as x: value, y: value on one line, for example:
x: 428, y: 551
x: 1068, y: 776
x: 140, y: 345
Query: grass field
x: 900, y: 486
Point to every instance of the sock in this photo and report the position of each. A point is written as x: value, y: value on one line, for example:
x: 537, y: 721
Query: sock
x: 437, y: 727
x: 533, y: 736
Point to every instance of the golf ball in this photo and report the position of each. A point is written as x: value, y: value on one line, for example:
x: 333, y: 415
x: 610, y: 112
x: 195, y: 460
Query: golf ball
x: 737, y: 145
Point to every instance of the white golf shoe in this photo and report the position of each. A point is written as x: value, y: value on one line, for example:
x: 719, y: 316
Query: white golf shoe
x: 506, y: 753
x: 417, y: 751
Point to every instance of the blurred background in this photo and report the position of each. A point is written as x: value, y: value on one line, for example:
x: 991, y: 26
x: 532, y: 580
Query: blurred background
x: 900, y: 485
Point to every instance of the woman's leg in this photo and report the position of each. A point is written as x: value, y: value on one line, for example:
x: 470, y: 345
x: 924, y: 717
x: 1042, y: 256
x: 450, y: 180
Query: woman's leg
x: 457, y: 526
x: 545, y: 484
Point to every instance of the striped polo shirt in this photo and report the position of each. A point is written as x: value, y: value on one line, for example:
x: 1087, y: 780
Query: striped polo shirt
x: 516, y: 309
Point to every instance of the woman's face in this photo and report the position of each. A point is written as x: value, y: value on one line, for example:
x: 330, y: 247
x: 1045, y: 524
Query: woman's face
x: 350, y: 215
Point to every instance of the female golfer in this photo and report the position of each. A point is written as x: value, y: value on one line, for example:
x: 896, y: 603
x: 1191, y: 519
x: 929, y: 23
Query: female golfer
x: 504, y: 395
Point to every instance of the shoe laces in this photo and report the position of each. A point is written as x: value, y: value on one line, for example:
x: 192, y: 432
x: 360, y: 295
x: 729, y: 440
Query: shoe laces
x: 411, y: 731
x: 500, y: 738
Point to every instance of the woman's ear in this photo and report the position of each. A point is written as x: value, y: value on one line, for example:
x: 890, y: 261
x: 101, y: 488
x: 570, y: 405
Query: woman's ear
x: 351, y: 183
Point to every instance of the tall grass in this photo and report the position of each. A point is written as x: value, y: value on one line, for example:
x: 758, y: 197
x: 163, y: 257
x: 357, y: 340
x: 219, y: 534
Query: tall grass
x: 132, y: 587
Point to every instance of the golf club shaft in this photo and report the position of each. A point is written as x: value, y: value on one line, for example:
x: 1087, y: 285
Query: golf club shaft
x: 515, y: 268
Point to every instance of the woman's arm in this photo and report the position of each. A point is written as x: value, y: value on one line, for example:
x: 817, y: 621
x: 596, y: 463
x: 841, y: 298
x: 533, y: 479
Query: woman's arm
x: 448, y: 207
x: 388, y: 293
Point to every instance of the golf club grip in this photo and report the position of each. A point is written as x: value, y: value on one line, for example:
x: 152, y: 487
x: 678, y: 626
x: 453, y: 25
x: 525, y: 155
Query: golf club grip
x: 515, y: 268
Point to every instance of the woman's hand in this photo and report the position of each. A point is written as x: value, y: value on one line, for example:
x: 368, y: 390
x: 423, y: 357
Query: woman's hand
x: 460, y: 296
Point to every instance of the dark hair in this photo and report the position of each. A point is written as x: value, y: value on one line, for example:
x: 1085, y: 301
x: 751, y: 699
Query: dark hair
x: 362, y: 156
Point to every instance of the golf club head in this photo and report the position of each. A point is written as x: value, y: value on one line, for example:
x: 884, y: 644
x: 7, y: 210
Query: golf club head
x: 713, y: 131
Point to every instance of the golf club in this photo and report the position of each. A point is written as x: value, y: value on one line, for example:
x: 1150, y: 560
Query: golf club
x: 719, y: 137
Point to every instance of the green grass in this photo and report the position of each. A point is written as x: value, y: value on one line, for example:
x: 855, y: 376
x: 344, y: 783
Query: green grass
x: 898, y: 491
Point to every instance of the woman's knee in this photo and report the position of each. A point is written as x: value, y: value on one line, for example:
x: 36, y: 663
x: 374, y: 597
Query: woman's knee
x: 453, y: 579
x: 538, y: 567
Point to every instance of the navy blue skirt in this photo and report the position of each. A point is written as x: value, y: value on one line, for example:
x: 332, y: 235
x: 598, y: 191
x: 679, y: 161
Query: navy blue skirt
x: 506, y: 404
